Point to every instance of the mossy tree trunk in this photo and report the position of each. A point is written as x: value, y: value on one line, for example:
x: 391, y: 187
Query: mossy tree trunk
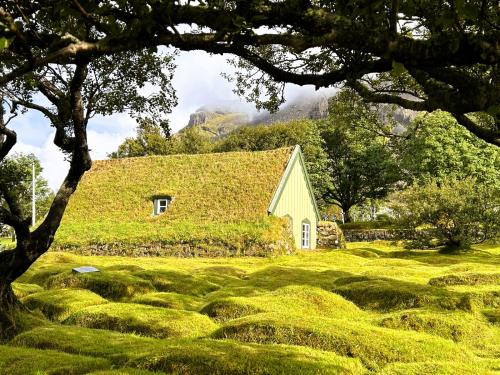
x: 70, y: 137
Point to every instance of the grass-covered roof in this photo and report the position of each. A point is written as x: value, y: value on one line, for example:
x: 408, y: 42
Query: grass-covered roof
x: 115, y: 198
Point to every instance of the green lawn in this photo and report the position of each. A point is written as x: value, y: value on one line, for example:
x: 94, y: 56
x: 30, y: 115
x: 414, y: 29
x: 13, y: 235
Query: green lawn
x: 373, y: 308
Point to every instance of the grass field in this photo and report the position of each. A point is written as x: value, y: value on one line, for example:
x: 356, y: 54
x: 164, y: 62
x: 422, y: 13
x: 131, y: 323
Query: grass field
x: 372, y: 308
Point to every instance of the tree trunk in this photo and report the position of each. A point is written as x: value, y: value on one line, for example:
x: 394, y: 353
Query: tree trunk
x: 9, y: 305
x: 347, y: 215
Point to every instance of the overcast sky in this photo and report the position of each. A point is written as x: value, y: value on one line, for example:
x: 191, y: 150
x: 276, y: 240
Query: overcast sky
x: 197, y: 81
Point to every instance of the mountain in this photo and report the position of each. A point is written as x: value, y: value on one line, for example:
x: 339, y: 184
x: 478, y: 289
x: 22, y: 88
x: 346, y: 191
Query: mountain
x: 218, y: 120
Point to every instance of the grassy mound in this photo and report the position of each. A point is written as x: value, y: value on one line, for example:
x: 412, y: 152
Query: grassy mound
x: 210, y: 357
x: 178, y: 282
x: 188, y: 357
x: 372, y: 345
x: 22, y: 290
x: 22, y: 361
x: 59, y: 304
x: 294, y: 299
x: 145, y: 320
x: 119, y: 348
x: 493, y: 315
x: 387, y: 294
x: 441, y: 368
x: 169, y: 300
x: 110, y: 285
x: 457, y: 326
x: 466, y: 279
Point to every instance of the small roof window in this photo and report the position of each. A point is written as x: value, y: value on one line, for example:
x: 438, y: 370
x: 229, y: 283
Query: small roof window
x: 161, y: 204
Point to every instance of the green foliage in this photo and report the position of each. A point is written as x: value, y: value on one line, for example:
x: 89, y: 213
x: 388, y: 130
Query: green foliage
x: 439, y: 148
x: 16, y: 179
x: 169, y: 299
x: 268, y: 137
x: 154, y: 139
x: 360, y: 162
x: 458, y: 212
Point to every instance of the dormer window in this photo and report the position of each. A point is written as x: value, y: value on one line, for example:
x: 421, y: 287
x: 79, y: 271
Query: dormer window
x: 161, y: 205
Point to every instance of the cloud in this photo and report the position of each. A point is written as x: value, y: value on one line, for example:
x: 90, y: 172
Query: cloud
x: 198, y: 82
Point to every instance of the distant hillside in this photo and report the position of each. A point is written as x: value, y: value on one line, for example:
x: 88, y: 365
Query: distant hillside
x: 219, y: 120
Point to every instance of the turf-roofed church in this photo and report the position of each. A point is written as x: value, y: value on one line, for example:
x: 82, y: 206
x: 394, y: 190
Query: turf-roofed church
x: 235, y: 203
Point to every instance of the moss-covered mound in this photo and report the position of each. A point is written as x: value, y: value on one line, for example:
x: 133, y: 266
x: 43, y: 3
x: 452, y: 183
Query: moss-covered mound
x: 294, y: 299
x: 219, y: 206
x: 457, y: 326
x: 372, y: 345
x: 21, y: 361
x: 59, y: 304
x: 225, y: 357
x: 170, y: 300
x: 145, y: 320
x: 385, y: 294
x: 466, y: 279
x: 111, y: 285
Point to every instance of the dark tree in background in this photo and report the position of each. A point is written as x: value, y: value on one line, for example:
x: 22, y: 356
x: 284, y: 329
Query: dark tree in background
x: 361, y: 163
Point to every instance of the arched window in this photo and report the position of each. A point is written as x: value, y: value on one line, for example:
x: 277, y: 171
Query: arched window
x: 306, y: 234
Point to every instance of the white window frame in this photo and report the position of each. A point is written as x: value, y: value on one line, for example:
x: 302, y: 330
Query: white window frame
x: 305, y: 238
x: 161, y: 205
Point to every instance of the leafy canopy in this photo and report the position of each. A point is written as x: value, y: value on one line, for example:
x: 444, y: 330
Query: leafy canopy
x: 439, y: 55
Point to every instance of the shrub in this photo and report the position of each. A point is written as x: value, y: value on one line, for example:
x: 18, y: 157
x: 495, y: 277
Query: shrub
x: 458, y: 213
x: 146, y: 320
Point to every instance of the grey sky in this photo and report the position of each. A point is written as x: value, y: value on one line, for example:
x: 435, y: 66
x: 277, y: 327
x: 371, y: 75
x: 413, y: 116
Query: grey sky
x: 197, y: 81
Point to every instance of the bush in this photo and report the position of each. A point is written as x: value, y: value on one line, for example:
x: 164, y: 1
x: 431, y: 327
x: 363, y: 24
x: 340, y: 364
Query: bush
x: 456, y: 213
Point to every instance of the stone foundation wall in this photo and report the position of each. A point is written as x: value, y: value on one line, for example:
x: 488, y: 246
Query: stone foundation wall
x: 367, y: 235
x: 330, y: 235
